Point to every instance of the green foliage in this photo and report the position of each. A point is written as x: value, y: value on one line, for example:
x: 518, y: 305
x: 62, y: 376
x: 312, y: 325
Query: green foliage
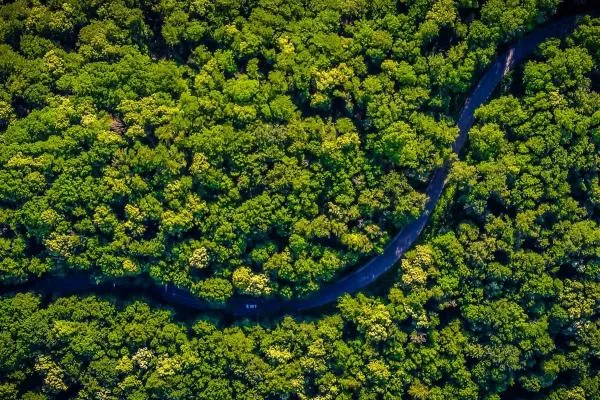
x: 287, y: 140
x: 256, y: 180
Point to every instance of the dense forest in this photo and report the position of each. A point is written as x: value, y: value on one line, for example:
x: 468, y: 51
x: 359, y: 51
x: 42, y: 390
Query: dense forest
x: 262, y: 148
x: 266, y: 148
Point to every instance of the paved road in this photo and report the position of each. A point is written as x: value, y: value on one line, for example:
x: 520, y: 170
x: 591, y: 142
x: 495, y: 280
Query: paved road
x: 242, y: 306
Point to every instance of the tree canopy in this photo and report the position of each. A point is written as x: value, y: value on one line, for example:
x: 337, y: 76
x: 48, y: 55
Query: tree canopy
x: 188, y: 140
x: 123, y: 156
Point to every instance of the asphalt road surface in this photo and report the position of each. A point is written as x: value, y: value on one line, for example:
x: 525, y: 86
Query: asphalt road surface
x: 243, y: 306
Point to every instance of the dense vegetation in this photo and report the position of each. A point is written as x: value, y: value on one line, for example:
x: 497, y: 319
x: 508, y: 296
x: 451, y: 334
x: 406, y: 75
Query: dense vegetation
x: 259, y: 147
x: 500, y: 300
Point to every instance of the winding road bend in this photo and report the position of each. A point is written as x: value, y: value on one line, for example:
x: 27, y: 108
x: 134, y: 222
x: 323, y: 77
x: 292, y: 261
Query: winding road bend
x: 243, y: 306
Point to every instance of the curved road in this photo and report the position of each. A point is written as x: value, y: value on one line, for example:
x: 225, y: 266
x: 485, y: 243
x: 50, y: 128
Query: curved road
x: 243, y: 306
